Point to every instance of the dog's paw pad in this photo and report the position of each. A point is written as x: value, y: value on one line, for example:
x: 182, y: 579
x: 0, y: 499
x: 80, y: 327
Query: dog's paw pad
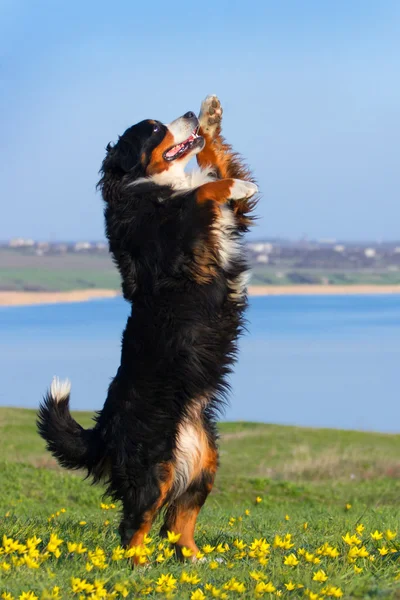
x: 210, y: 115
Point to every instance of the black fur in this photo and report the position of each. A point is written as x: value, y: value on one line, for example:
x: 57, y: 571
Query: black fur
x: 179, y: 343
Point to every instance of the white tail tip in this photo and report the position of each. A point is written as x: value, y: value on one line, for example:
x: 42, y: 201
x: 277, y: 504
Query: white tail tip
x: 60, y: 389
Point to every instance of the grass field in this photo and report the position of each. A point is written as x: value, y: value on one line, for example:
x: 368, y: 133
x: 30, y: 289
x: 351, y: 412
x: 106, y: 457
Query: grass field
x: 321, y: 494
x: 73, y: 271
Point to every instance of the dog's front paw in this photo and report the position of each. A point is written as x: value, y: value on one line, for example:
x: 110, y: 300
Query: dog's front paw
x: 241, y: 190
x: 210, y: 115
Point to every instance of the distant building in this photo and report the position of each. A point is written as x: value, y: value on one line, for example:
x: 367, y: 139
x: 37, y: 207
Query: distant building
x: 79, y: 246
x: 370, y: 252
x: 21, y: 243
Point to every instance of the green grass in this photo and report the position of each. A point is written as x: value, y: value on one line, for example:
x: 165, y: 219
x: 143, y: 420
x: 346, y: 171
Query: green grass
x: 308, y: 474
x: 39, y: 279
x: 72, y: 271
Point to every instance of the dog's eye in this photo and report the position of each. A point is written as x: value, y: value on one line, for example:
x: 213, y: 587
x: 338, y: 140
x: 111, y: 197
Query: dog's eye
x: 156, y: 128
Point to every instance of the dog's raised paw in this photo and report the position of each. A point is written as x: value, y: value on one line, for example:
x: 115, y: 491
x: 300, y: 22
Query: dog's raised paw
x: 242, y: 189
x: 210, y: 115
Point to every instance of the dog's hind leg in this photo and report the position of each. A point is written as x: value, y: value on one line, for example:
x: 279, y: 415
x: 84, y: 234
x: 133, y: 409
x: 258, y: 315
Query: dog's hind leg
x: 182, y: 513
x: 140, y: 507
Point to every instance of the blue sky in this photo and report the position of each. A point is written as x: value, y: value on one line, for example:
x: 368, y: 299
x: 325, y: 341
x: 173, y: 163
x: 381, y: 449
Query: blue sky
x: 311, y: 92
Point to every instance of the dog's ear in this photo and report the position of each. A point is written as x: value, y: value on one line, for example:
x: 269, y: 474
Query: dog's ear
x: 124, y: 156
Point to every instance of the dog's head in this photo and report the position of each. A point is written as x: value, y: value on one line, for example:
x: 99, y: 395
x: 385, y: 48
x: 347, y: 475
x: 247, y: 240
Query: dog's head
x: 151, y: 148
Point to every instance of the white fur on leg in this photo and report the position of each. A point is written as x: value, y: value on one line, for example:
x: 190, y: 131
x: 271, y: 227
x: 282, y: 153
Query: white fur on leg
x: 242, y: 189
x: 60, y: 389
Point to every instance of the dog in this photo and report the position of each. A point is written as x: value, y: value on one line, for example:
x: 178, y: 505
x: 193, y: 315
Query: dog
x: 176, y: 240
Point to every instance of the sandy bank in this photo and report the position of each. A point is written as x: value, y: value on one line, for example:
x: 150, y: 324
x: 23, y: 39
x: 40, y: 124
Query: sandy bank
x: 29, y: 298
x: 321, y: 290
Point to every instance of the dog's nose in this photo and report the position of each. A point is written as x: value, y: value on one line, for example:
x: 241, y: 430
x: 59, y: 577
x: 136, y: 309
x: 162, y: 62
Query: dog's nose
x: 189, y: 115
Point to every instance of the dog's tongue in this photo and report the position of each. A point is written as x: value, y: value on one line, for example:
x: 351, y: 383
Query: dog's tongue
x: 171, y: 153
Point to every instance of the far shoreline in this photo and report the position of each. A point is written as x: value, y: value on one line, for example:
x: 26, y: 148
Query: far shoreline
x: 26, y: 298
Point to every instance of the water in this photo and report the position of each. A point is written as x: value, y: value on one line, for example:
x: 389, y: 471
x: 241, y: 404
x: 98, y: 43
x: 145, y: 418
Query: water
x: 313, y: 360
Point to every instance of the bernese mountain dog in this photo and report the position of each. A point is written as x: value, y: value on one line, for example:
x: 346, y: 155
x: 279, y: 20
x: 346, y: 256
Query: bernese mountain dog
x: 176, y: 240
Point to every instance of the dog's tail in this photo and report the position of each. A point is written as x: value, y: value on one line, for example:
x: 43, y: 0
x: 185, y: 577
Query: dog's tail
x: 72, y: 446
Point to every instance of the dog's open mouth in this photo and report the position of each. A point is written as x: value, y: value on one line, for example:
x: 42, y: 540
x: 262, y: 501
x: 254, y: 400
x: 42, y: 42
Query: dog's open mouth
x: 180, y: 149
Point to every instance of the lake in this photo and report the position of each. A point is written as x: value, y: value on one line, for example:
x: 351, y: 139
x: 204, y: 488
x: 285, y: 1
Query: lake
x: 320, y: 361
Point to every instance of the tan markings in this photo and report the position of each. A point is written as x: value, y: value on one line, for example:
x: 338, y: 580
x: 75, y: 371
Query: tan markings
x: 218, y: 191
x: 185, y: 523
x: 149, y: 516
x: 157, y: 163
x: 218, y: 154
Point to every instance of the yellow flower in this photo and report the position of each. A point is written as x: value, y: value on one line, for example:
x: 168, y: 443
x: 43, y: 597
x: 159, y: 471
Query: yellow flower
x: 186, y: 552
x: 78, y: 584
x: 82, y: 522
x: 287, y: 518
x: 207, y: 549
x: 173, y: 537
x: 291, y: 560
x: 118, y: 553
x: 264, y: 588
x: 33, y: 542
x: 357, y: 569
x: 30, y: 563
x: 390, y: 535
x: 7, y: 596
x: 239, y: 544
x: 247, y: 512
x: 348, y: 506
x: 221, y: 548
x: 5, y: 566
x: 122, y: 588
x: 258, y: 499
x: 360, y: 528
x: 215, y: 592
x: 257, y: 575
x: 72, y: 546
x: 383, y: 551
x: 283, y: 542
x: 351, y: 539
x: 234, y: 585
x: 189, y: 578
x: 106, y: 522
x: 53, y: 544
x: 332, y: 591
x: 166, y: 583
x: 309, y: 557
x: 290, y: 586
x: 320, y: 576
x: 305, y: 525
x: 199, y: 555
x: 377, y: 535
x: 213, y: 565
x: 363, y: 552
x: 28, y: 596
x: 197, y: 595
